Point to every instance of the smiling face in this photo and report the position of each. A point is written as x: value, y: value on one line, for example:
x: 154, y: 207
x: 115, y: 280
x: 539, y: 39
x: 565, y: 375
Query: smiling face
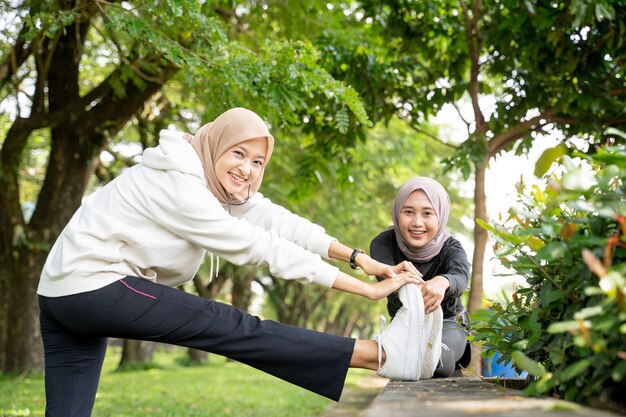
x: 418, y: 221
x: 241, y: 165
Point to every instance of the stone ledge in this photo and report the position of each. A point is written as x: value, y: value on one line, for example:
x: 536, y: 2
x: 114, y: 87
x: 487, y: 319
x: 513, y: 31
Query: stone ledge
x: 468, y: 396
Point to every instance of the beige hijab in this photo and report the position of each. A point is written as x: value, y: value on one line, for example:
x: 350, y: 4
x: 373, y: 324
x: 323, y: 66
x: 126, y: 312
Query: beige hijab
x: 228, y: 129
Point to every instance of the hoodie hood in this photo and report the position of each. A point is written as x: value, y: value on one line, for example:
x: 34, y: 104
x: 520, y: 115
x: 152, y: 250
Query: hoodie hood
x: 174, y: 153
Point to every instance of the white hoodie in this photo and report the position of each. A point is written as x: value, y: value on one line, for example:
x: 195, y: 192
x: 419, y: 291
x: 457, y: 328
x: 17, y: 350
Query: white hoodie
x: 157, y: 220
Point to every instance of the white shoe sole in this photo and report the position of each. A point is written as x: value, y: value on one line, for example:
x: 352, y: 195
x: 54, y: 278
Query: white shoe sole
x: 421, y: 347
x: 411, y: 297
x: 433, y: 327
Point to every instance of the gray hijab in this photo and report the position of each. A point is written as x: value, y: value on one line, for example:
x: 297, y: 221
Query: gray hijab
x: 441, y: 203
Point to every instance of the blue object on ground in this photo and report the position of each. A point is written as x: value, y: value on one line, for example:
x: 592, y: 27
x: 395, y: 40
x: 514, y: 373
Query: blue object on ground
x: 492, y: 369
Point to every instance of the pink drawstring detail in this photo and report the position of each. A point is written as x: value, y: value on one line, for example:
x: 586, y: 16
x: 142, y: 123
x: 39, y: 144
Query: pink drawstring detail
x: 138, y: 292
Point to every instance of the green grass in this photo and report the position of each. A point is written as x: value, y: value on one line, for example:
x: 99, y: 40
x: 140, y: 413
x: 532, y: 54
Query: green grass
x: 219, y: 388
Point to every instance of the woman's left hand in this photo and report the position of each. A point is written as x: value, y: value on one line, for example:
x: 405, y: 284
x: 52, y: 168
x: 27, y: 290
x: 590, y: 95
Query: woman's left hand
x: 433, y: 291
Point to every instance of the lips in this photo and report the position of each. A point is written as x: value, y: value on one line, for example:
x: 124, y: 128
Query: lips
x: 237, y: 178
x: 417, y: 234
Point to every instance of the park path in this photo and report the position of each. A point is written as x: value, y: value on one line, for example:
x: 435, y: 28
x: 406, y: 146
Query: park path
x: 355, y: 400
x: 449, y: 397
x: 454, y: 397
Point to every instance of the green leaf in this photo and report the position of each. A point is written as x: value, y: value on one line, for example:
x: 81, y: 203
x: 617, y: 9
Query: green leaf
x: 589, y: 312
x: 482, y: 314
x: 524, y: 362
x: 548, y: 157
x: 563, y: 326
x: 529, y: 7
x: 486, y: 225
x: 343, y: 120
x: 550, y: 295
x: 616, y: 132
x: 574, y: 369
x: 619, y: 371
x: 552, y: 251
x: 534, y: 242
x: 545, y: 383
x: 556, y: 357
x: 508, y: 237
x: 604, y: 11
x: 593, y: 291
x: 530, y: 323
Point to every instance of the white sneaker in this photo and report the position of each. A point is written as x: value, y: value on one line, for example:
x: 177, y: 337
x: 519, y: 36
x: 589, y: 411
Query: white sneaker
x: 400, y: 337
x: 412, y: 342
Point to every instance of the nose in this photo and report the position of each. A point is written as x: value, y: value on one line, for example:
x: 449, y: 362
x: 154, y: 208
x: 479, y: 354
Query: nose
x: 245, y: 168
x: 417, y: 220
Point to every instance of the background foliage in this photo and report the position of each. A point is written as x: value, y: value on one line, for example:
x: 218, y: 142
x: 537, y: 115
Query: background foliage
x: 567, y: 327
x: 86, y: 85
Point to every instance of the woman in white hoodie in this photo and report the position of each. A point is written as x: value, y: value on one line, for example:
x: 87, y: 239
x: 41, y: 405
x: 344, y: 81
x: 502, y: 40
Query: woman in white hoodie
x: 112, y: 269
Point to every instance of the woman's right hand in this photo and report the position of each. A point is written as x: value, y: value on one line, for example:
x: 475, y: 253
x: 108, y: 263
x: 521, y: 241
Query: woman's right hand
x: 378, y: 290
x: 387, y: 286
x: 406, y: 266
x: 373, y: 267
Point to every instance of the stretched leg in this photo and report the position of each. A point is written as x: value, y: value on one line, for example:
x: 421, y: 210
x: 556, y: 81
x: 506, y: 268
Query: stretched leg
x: 133, y: 308
x: 72, y: 369
x: 366, y: 355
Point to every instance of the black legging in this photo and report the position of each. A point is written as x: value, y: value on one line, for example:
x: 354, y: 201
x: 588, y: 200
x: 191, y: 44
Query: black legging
x: 454, y: 336
x: 75, y: 328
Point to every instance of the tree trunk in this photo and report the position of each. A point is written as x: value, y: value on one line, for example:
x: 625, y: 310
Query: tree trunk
x: 480, y: 239
x: 480, y: 243
x: 241, y: 294
x: 197, y: 356
x: 75, y: 142
x: 136, y: 351
x: 22, y: 348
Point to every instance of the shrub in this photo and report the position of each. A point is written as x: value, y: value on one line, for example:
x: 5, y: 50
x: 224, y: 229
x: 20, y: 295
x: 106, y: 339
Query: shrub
x: 567, y: 326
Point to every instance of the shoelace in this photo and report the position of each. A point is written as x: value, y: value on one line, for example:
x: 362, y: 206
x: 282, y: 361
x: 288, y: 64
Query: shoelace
x: 447, y: 349
x: 379, y: 339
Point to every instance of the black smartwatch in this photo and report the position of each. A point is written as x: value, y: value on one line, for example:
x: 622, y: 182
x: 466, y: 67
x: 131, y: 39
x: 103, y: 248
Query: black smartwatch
x: 355, y: 252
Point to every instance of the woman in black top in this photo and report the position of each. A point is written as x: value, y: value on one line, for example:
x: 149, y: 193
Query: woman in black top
x: 418, y: 235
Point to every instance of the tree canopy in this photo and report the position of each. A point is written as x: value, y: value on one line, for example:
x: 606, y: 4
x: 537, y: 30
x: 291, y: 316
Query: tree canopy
x: 74, y: 75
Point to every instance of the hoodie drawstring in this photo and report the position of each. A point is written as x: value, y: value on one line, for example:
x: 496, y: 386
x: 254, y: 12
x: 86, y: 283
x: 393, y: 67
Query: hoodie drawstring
x: 217, y: 270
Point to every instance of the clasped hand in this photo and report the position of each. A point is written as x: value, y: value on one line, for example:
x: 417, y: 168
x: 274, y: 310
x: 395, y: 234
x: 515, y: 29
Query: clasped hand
x: 395, y: 277
x: 405, y: 272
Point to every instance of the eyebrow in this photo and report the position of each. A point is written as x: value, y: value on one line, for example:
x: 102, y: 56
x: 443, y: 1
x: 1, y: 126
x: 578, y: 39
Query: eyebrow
x: 243, y: 148
x: 414, y: 208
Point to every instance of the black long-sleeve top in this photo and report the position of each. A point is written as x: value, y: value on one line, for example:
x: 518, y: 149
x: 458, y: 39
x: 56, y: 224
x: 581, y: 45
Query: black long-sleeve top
x: 451, y: 262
